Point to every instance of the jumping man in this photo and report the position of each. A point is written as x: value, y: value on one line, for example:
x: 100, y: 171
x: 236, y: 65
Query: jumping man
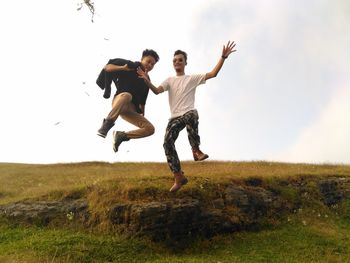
x: 130, y: 98
x: 181, y: 90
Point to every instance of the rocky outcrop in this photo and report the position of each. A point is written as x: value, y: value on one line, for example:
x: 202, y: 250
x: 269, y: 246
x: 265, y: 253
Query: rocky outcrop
x: 334, y: 189
x: 44, y: 212
x: 175, y: 219
x: 240, y: 207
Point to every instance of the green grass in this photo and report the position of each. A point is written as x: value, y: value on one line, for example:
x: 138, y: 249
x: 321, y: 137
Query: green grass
x: 46, y: 245
x: 314, y: 233
x: 133, y: 180
x: 302, y: 238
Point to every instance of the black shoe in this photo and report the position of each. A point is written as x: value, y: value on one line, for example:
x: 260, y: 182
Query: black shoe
x: 118, y: 138
x: 106, y: 126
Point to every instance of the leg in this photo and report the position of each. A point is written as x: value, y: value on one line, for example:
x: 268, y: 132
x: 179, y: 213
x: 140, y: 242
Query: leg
x: 145, y: 127
x: 192, y: 128
x: 118, y: 104
x: 129, y: 114
x: 191, y: 119
x: 172, y: 132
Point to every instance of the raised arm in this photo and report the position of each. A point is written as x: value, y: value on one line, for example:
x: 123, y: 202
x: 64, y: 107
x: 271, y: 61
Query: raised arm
x: 226, y: 51
x: 142, y: 74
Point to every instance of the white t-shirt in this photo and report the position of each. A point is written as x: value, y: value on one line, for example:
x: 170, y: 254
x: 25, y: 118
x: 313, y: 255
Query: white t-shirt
x: 182, y: 91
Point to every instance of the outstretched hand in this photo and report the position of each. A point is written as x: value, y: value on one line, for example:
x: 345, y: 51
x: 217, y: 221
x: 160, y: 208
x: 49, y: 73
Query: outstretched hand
x: 142, y: 74
x: 228, y: 49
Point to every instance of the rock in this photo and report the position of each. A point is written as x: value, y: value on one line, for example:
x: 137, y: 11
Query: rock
x: 253, y: 201
x: 219, y: 203
x: 237, y: 207
x: 329, y: 191
x: 253, y: 181
x: 43, y: 212
x: 159, y: 220
x: 188, y: 218
x: 236, y: 195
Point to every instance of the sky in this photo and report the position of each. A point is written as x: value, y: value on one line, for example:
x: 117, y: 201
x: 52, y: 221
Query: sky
x: 282, y: 96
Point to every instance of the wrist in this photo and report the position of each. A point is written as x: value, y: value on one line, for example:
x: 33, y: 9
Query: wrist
x: 224, y: 57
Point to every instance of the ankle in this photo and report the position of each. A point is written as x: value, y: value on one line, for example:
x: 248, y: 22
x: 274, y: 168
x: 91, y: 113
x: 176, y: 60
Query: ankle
x: 178, y: 174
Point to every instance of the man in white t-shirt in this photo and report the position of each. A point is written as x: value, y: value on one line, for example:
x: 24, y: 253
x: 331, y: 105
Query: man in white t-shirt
x: 182, y: 89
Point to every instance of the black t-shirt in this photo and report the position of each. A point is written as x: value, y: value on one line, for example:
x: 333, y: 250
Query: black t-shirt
x: 125, y: 81
x: 129, y: 81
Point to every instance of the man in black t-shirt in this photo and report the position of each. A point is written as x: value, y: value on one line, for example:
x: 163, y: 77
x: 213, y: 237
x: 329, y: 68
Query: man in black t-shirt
x: 130, y: 98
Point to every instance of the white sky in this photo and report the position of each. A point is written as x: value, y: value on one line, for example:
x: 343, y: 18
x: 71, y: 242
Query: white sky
x: 283, y: 96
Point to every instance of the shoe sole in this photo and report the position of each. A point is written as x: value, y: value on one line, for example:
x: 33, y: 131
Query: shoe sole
x: 101, y: 135
x: 202, y: 159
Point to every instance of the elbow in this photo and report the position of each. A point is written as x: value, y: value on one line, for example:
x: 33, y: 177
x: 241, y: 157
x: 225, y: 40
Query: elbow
x: 108, y: 68
x: 214, y: 74
x: 211, y: 75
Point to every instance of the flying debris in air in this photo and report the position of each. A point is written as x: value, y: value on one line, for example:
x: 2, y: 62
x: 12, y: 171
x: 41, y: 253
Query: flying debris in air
x: 91, y: 7
x: 57, y: 123
x: 87, y: 93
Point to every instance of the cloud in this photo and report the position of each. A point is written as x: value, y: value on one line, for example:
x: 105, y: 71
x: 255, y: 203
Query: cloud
x: 290, y: 58
x: 327, y: 139
x: 292, y: 63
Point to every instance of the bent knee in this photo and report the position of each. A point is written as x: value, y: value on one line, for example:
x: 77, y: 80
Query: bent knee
x: 149, y: 129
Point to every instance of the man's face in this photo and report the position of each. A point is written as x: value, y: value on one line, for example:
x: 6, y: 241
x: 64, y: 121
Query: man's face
x: 148, y: 63
x: 179, y: 62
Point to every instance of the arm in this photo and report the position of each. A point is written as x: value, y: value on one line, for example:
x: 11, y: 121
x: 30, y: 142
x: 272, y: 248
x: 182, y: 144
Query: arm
x: 119, y: 64
x: 226, y: 51
x: 114, y: 68
x: 145, y: 77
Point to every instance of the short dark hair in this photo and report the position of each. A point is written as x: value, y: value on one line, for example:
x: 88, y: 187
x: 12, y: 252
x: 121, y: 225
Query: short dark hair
x: 150, y: 52
x: 180, y: 52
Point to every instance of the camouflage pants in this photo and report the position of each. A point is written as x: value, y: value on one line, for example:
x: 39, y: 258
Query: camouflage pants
x: 188, y: 120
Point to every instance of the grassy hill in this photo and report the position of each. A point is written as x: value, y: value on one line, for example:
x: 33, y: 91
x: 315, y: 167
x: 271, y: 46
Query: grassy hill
x: 30, y: 181
x: 314, y: 232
